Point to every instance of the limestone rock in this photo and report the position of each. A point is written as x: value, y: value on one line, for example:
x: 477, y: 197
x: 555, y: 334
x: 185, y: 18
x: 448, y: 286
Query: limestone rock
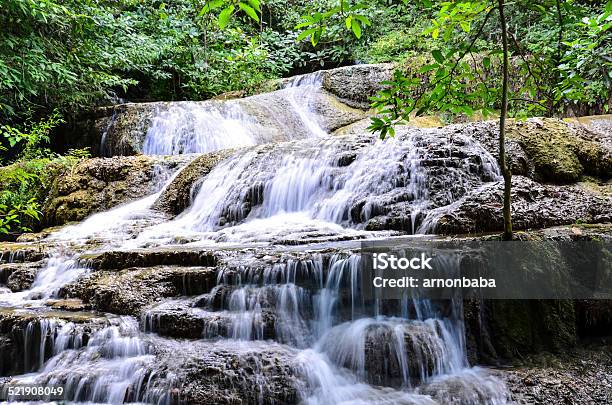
x: 127, y: 291
x: 534, y: 205
x: 99, y: 184
x: 177, y: 196
x: 354, y: 85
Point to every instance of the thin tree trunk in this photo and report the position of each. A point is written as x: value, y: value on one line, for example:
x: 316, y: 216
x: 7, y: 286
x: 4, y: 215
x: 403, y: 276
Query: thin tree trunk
x: 503, y: 164
x: 558, y: 56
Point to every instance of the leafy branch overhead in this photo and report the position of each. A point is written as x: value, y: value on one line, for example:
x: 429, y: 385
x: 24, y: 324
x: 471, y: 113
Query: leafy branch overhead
x: 314, y: 24
x: 251, y: 8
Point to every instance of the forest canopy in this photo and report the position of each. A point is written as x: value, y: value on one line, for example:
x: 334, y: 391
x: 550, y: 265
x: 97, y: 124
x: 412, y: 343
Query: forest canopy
x: 74, y: 54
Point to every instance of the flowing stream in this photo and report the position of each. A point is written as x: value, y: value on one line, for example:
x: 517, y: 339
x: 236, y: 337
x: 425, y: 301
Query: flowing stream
x: 307, y: 200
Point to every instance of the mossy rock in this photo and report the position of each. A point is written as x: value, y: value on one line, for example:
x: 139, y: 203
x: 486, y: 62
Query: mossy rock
x: 560, y: 154
x: 519, y: 327
x: 99, y: 184
x: 177, y: 196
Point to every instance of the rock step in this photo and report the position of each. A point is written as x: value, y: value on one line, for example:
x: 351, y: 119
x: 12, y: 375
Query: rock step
x: 177, y: 319
x: 117, y: 259
x: 20, y: 253
x: 19, y: 276
x: 29, y: 337
x: 127, y: 292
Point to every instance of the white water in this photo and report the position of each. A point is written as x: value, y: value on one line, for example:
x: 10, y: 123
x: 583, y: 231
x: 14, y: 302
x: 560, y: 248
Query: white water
x: 200, y: 127
x: 262, y: 196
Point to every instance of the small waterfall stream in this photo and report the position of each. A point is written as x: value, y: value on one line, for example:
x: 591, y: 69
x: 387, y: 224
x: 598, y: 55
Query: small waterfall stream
x: 317, y: 189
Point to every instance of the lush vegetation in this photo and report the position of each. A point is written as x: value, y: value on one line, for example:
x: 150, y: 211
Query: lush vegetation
x: 25, y: 183
x: 59, y: 58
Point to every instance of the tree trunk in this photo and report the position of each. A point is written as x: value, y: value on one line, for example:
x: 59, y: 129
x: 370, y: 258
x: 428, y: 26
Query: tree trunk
x: 503, y: 164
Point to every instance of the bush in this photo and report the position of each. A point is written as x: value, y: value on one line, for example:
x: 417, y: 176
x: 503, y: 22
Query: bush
x: 24, y: 184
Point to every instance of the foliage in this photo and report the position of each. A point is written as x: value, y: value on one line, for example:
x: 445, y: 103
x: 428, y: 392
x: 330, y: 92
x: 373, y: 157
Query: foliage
x: 25, y: 183
x: 550, y: 73
x: 29, y: 140
x: 350, y: 13
x: 449, y: 77
x: 586, y: 66
x: 251, y: 8
x: 73, y: 54
x: 22, y: 183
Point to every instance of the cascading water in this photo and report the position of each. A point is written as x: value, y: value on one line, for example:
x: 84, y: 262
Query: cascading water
x: 321, y: 190
x: 197, y: 128
x: 207, y: 126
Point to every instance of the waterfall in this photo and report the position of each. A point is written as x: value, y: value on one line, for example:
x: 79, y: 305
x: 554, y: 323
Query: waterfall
x: 303, y: 100
x: 198, y: 128
x: 335, y: 185
x: 285, y: 219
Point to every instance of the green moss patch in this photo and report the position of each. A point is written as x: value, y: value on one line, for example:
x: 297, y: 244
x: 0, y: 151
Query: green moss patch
x: 560, y: 154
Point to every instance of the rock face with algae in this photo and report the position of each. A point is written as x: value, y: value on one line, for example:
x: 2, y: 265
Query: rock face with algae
x: 98, y: 184
x: 560, y: 153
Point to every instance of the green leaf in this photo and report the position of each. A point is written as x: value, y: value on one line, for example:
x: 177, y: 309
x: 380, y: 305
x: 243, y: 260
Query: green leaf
x: 356, y: 28
x: 225, y: 15
x: 437, y: 55
x: 428, y: 68
x: 250, y: 11
x: 256, y: 4
x: 305, y: 23
x: 316, y: 37
x: 304, y: 34
x: 211, y: 5
x: 348, y: 22
x: 363, y: 20
x: 486, y: 62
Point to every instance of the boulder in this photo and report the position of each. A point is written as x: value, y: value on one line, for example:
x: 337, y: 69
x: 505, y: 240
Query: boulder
x: 19, y: 276
x: 228, y: 373
x: 177, y: 196
x: 95, y: 185
x: 128, y: 291
x: 354, y: 85
x: 534, y: 205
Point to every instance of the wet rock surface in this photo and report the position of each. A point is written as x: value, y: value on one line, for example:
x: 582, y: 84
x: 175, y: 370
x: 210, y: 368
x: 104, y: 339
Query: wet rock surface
x: 19, y: 276
x: 179, y: 194
x: 223, y: 373
x: 127, y: 291
x: 27, y: 338
x: 121, y: 259
x: 21, y: 252
x: 580, y: 376
x: 534, y: 206
x: 96, y: 185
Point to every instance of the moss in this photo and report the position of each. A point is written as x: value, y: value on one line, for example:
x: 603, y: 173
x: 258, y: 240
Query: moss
x: 558, y: 153
x: 519, y: 327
